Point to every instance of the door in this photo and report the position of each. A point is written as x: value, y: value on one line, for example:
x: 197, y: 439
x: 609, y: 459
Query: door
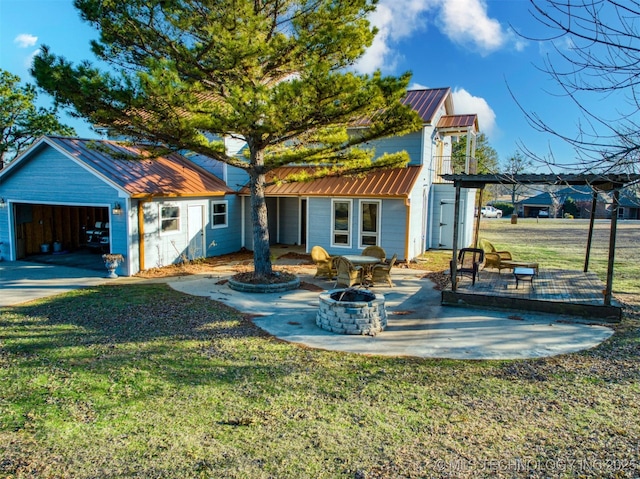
x: 447, y: 213
x: 195, y: 232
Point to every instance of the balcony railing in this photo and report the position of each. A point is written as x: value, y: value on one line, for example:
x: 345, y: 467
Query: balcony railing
x: 447, y: 165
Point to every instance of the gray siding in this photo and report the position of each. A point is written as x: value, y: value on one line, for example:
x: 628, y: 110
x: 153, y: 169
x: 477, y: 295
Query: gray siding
x: 289, y: 209
x: 446, y: 193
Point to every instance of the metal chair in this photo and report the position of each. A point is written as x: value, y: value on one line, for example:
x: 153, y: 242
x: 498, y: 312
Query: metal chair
x: 470, y: 261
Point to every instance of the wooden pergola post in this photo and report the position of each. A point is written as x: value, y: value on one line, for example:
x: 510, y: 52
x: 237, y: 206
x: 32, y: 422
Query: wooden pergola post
x: 476, y: 229
x: 612, y: 247
x: 592, y: 220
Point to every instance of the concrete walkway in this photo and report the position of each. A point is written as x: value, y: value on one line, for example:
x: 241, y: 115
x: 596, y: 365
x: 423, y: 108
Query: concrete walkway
x: 417, y: 326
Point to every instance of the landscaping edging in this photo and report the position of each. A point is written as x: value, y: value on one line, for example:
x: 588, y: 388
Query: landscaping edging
x: 264, y: 288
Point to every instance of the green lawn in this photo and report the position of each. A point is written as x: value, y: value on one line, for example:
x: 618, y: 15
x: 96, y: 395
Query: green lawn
x: 562, y: 244
x: 140, y: 381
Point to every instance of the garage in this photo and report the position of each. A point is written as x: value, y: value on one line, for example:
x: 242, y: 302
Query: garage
x: 63, y: 234
x: 67, y: 200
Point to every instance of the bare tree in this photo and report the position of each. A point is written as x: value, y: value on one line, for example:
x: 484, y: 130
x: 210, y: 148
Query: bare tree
x: 595, y: 53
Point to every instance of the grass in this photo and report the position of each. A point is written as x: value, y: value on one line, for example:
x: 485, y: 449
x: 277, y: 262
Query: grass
x: 140, y: 381
x: 561, y: 244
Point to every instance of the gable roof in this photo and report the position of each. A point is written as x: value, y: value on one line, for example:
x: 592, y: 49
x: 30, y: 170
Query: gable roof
x: 578, y: 193
x: 426, y: 102
x: 134, y: 168
x: 387, y: 183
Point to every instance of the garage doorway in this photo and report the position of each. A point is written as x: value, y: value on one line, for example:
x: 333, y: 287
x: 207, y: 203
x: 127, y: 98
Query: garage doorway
x: 61, y: 234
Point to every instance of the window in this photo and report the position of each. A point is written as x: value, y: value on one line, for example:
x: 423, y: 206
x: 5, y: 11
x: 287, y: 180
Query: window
x: 169, y: 219
x: 341, y: 235
x: 219, y: 215
x: 370, y: 223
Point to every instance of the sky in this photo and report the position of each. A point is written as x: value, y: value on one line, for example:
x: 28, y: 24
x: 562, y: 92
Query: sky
x: 475, y: 47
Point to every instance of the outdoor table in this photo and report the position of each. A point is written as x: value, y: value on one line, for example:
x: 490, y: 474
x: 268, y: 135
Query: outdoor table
x: 519, y: 264
x: 367, y: 263
x: 524, y: 274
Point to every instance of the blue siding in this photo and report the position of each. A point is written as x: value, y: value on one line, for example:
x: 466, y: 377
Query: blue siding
x: 393, y: 226
x: 49, y: 177
x: 394, y: 221
x: 162, y: 249
x: 411, y: 143
x: 225, y: 240
x: 237, y: 178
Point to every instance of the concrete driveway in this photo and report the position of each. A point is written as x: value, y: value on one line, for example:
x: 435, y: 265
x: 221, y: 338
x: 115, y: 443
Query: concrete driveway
x: 22, y: 281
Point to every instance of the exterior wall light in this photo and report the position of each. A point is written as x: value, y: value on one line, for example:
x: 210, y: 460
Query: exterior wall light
x: 117, y: 209
x: 3, y: 203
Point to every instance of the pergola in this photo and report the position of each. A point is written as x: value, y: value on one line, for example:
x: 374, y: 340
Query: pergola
x: 604, y: 182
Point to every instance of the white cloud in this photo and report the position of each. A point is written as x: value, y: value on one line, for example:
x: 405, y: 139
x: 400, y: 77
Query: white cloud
x: 465, y: 22
x: 464, y: 102
x: 417, y: 86
x: 25, y: 40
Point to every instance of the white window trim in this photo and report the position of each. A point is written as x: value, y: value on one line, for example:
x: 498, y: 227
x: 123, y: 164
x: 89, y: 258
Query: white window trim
x: 378, y: 225
x: 172, y: 232
x: 226, y: 214
x: 349, y: 232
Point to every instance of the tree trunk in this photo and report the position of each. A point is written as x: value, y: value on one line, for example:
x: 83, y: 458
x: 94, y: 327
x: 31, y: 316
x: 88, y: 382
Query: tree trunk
x: 261, y: 251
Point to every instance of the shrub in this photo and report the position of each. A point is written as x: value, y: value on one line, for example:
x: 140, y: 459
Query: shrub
x: 506, y: 208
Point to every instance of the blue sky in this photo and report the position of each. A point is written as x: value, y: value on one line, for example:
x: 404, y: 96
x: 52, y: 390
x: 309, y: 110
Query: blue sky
x: 468, y: 45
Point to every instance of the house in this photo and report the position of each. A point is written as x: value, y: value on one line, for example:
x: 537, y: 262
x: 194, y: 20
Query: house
x: 404, y: 210
x: 551, y: 203
x: 153, y: 210
x: 629, y: 204
x: 161, y: 210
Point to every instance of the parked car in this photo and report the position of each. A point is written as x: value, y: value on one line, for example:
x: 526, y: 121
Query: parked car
x: 490, y: 212
x: 543, y: 214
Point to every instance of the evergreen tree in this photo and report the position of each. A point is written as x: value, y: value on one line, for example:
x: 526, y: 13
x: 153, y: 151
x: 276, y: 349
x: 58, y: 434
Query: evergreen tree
x: 21, y: 122
x: 275, y: 73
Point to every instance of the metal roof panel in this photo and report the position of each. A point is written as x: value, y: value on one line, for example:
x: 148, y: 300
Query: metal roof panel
x: 135, y: 169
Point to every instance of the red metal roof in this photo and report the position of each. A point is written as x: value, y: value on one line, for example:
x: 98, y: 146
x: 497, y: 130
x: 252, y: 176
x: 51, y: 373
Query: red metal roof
x: 426, y: 102
x: 138, y: 171
x: 390, y: 183
x: 458, y: 121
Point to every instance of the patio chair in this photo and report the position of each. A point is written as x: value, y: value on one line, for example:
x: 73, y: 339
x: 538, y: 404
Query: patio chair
x: 469, y: 263
x: 382, y: 272
x: 375, y: 251
x: 492, y: 257
x: 324, y: 262
x: 348, y: 273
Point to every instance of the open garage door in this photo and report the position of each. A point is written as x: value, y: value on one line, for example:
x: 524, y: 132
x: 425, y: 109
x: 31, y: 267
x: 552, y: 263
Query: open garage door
x: 65, y: 233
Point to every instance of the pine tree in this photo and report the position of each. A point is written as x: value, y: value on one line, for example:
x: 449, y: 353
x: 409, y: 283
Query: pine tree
x: 275, y: 73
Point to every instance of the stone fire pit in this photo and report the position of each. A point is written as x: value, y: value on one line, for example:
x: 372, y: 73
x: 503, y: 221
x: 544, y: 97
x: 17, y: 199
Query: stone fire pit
x: 352, y: 311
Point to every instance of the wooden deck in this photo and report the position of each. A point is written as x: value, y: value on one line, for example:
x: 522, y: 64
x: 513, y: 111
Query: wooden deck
x: 551, y: 291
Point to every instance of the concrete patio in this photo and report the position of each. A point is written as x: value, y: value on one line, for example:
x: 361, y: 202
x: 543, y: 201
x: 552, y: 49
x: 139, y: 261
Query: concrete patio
x: 418, y: 325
